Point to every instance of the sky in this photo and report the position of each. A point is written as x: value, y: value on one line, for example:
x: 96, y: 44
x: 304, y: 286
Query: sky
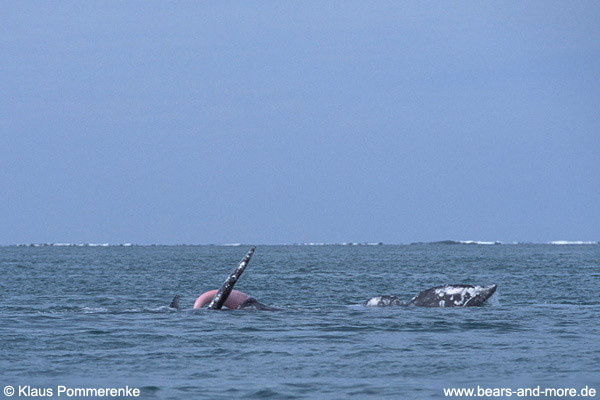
x: 299, y: 121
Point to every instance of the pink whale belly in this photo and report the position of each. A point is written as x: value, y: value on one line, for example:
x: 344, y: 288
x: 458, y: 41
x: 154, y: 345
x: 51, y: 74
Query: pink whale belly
x: 233, y: 301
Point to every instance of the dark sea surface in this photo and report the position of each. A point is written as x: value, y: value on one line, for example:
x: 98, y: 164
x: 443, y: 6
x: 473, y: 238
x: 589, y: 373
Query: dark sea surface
x: 97, y: 317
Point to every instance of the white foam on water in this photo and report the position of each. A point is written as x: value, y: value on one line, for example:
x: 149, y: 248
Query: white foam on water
x: 91, y: 310
x: 562, y: 242
x: 478, y: 242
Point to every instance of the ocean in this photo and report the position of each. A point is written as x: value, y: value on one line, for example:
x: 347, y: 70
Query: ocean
x: 98, y: 317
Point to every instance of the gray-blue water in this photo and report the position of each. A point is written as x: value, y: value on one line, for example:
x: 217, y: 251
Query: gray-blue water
x: 97, y: 317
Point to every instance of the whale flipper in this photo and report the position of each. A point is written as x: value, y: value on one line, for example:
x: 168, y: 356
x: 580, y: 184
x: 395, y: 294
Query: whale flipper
x: 175, y: 302
x: 453, y: 296
x: 225, y: 290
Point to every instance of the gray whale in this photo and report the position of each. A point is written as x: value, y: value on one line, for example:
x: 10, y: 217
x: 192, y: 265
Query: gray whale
x: 440, y: 296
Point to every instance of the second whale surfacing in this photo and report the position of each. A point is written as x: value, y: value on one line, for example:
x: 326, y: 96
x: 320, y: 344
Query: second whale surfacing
x: 440, y: 296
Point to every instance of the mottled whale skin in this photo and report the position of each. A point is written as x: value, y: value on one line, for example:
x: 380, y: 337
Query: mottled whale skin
x: 440, y: 296
x: 384, y: 301
x: 225, y: 290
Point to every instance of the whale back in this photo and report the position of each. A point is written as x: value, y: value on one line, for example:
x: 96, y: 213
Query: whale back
x: 253, y: 304
x: 453, y: 296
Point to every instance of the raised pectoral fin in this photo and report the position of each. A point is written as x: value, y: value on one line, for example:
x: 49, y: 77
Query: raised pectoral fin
x: 225, y: 290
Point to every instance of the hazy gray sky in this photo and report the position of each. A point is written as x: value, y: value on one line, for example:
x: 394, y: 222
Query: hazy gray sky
x: 280, y: 121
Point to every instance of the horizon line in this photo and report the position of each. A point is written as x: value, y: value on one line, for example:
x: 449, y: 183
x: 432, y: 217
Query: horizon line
x: 438, y: 242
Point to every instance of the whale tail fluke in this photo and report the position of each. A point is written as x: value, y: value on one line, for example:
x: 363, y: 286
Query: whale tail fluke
x: 175, y: 302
